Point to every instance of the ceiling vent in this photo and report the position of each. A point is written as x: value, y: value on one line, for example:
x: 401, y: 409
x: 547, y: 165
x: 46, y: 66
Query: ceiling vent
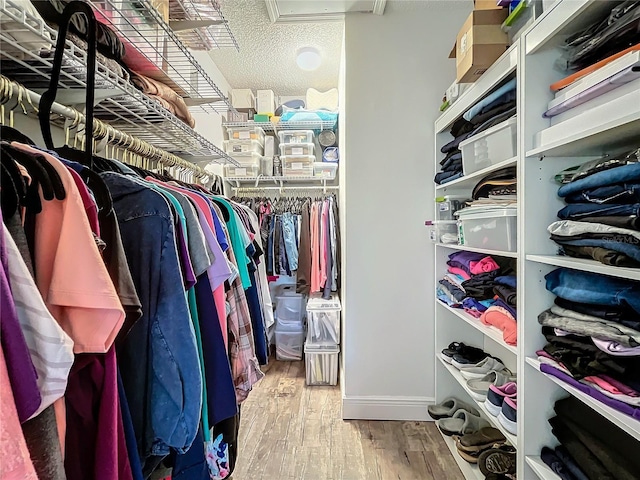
x: 297, y: 11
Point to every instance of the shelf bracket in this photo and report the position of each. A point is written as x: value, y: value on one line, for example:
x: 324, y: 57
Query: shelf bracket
x: 257, y: 181
x: 281, y: 186
x: 237, y: 183
x: 324, y: 186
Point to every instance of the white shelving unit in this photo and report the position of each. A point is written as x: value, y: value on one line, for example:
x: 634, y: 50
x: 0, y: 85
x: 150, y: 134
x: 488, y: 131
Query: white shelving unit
x: 544, y: 148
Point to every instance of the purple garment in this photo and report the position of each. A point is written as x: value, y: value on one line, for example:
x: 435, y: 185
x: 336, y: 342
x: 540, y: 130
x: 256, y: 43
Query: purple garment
x: 218, y: 272
x: 22, y: 373
x: 614, y: 348
x: 463, y: 260
x: 592, y: 392
x: 222, y: 238
x: 501, y: 303
x: 470, y: 303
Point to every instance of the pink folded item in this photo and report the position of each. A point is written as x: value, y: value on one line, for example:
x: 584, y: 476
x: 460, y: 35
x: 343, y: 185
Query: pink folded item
x: 459, y: 271
x: 500, y: 318
x: 473, y: 312
x: 487, y: 264
x: 602, y: 383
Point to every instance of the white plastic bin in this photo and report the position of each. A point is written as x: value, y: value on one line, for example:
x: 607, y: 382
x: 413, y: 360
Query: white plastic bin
x: 297, y: 165
x: 233, y: 147
x: 325, y: 170
x: 494, y: 230
x: 490, y: 147
x: 323, y: 321
x: 445, y: 231
x: 296, y: 136
x: 321, y: 364
x: 290, y: 311
x: 296, y: 148
x: 246, y: 133
x: 241, y: 171
x: 289, y: 344
x: 448, y: 205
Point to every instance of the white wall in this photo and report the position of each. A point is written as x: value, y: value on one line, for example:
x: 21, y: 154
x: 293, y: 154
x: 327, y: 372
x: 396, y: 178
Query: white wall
x: 396, y: 73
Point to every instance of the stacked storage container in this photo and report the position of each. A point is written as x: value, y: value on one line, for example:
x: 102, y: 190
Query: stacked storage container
x: 323, y: 340
x: 246, y: 146
x: 296, y: 153
x: 289, y: 325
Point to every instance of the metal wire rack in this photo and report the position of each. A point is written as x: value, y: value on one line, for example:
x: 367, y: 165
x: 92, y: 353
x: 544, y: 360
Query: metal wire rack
x: 274, y: 127
x: 280, y: 181
x: 118, y: 102
x: 200, y: 24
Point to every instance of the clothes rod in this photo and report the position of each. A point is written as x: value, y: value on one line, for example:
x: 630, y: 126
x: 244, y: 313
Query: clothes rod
x: 12, y: 90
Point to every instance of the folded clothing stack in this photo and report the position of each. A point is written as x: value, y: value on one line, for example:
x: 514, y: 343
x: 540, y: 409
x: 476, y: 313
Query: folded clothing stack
x: 492, y: 110
x: 484, y: 289
x: 164, y: 95
x: 593, y: 336
x: 600, y: 220
x: 590, y: 447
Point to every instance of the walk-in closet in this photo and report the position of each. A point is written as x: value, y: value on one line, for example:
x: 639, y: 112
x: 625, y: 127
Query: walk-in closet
x: 320, y: 240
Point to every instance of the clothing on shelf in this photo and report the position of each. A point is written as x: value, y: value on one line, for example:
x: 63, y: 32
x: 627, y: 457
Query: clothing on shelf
x: 302, y: 238
x: 151, y: 345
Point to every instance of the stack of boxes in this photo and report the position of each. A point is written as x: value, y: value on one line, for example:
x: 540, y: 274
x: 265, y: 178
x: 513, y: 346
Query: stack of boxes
x: 289, y: 325
x: 296, y: 153
x: 246, y: 146
x: 322, y: 348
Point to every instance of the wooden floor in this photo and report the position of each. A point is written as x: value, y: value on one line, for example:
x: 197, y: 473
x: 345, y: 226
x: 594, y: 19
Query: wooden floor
x: 292, y: 432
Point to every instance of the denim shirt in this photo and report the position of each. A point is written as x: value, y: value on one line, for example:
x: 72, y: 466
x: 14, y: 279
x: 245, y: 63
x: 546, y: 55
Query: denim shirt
x: 159, y: 359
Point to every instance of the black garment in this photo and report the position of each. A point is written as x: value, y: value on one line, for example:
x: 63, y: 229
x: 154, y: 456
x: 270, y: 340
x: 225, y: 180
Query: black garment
x: 605, y: 163
x: 461, y: 126
x: 457, y: 293
x: 508, y: 294
x: 481, y: 286
x: 631, y: 222
x: 612, y: 237
x: 550, y: 458
x: 229, y: 430
x: 455, y: 143
x: 452, y: 166
x: 441, y: 176
x: 611, y: 313
x: 616, y: 449
x: 41, y: 434
x: 452, y: 155
x: 503, y: 177
x: 487, y: 114
x: 486, y: 125
x: 303, y: 277
x: 570, y: 463
x: 603, y: 255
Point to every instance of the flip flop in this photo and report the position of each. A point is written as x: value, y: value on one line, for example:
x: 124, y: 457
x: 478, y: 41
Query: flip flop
x: 448, y: 407
x: 483, y: 439
x: 461, y: 423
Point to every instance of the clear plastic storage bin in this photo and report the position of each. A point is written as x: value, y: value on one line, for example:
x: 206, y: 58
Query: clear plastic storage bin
x: 296, y: 136
x: 448, y: 205
x: 495, y: 230
x: 325, y: 170
x: 297, y: 165
x: 296, y: 148
x: 321, y: 364
x: 490, y: 147
x: 266, y: 166
x: 323, y: 321
x: 289, y: 344
x: 241, y: 171
x: 290, y: 311
x: 443, y: 232
x: 233, y: 147
x: 246, y: 133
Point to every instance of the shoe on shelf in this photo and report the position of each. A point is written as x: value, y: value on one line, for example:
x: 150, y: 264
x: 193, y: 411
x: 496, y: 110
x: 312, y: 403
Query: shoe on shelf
x: 456, y: 348
x: 508, y: 416
x: 448, y: 407
x: 461, y: 423
x: 496, y: 396
x: 497, y: 476
x: 480, y: 386
x: 468, y: 358
x: 482, y: 368
x: 498, y: 461
x: 481, y: 440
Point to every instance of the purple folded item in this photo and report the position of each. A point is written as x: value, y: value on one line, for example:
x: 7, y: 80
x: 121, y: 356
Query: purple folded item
x: 501, y: 303
x: 503, y: 3
x: 614, y: 348
x: 592, y: 392
x: 463, y: 260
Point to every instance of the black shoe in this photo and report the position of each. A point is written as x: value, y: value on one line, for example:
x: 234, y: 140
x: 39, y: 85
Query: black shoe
x: 500, y: 461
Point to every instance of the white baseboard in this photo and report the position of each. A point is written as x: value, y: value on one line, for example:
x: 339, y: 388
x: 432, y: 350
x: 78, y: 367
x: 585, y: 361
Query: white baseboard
x: 386, y: 408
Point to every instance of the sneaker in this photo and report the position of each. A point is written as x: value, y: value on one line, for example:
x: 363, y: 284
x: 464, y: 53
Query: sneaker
x: 456, y: 348
x: 479, y: 387
x: 508, y: 415
x: 496, y: 396
x: 482, y: 368
x: 468, y: 358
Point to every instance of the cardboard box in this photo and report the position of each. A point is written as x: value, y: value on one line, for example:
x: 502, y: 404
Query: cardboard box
x: 479, y: 44
x: 162, y: 6
x: 486, y: 5
x: 266, y: 103
x: 243, y: 100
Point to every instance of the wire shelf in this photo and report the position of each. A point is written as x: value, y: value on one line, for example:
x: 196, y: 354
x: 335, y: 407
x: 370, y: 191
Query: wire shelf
x: 274, y: 127
x: 118, y: 102
x: 164, y: 56
x: 291, y: 178
x: 216, y: 34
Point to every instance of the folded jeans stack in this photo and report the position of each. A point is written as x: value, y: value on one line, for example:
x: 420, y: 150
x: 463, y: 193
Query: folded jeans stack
x: 600, y: 220
x: 492, y: 110
x: 593, y: 336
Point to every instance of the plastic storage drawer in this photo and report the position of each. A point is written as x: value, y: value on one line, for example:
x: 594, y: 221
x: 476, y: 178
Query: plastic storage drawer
x: 233, y: 147
x: 241, y: 171
x: 296, y: 148
x: 321, y: 365
x: 289, y: 344
x: 438, y: 230
x: 297, y: 165
x: 490, y: 147
x: 290, y: 311
x: 448, y: 205
x: 296, y: 136
x: 323, y: 321
x: 325, y: 170
x: 246, y: 133
x: 495, y: 230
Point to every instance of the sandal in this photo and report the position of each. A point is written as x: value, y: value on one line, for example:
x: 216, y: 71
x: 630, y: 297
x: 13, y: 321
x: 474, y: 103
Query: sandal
x: 461, y: 423
x: 448, y: 407
x: 500, y: 460
x: 481, y: 440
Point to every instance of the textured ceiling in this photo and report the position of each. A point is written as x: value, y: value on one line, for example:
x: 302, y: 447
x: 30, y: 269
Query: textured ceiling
x: 267, y: 56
